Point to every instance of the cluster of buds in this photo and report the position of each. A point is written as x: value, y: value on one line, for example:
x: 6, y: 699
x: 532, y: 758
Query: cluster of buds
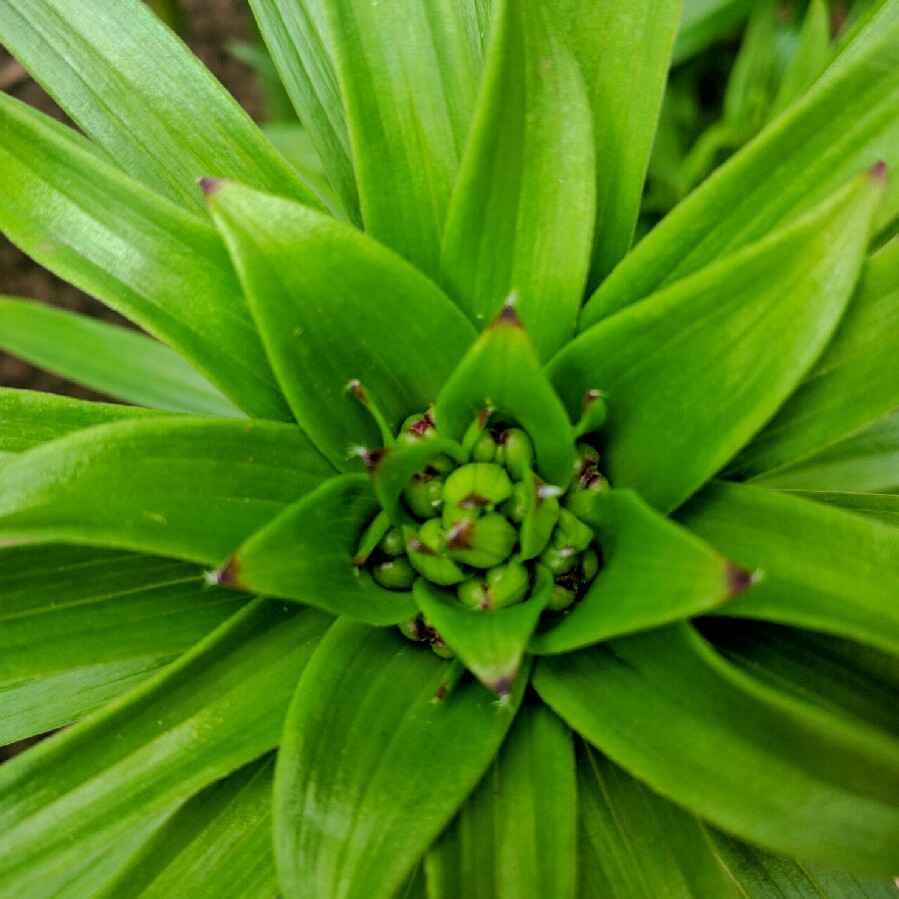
x: 463, y: 526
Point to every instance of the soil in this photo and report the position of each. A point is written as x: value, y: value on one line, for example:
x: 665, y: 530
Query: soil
x: 207, y: 27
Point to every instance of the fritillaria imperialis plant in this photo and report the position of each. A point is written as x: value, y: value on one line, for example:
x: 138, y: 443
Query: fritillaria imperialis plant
x: 448, y: 545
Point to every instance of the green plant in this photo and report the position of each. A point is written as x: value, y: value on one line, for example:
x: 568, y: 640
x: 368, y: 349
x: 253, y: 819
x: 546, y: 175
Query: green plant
x: 713, y: 410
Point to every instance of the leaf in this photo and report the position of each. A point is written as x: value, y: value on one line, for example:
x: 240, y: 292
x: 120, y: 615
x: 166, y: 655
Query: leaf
x: 636, y: 845
x: 140, y: 254
x: 189, y: 488
x: 333, y: 306
x: 853, y: 384
x: 770, y: 768
x: 515, y: 835
x: 29, y: 418
x: 653, y: 572
x: 705, y: 21
x: 694, y: 371
x: 532, y: 127
x: 216, y: 709
x: 501, y: 372
x: 883, y: 506
x: 112, y: 360
x: 408, y: 75
x: 624, y: 51
x: 822, y: 568
x: 490, y: 643
x: 114, y: 69
x: 297, y: 37
x: 354, y: 822
x: 307, y: 554
x: 81, y: 626
x: 217, y: 844
x: 847, y: 121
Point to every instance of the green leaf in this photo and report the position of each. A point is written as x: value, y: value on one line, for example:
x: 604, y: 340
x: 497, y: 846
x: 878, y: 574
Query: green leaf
x: 624, y: 50
x: 307, y: 554
x: 370, y: 768
x: 297, y: 37
x: 383, y: 323
x: 81, y: 626
x: 501, y: 372
x: 822, y: 567
x: 853, y: 384
x: 636, y: 845
x: 884, y: 506
x: 514, y: 838
x: 408, y: 75
x: 653, y: 572
x: 490, y: 643
x: 137, y: 91
x: 522, y: 213
x: 112, y: 360
x: 188, y: 488
x: 694, y: 371
x: 29, y: 418
x: 216, y: 709
x: 848, y: 121
x: 219, y: 843
x: 140, y: 254
x: 772, y: 768
x: 705, y: 21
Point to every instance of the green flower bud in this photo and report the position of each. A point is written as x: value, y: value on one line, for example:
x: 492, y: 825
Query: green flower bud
x: 395, y: 574
x: 424, y: 496
x: 477, y: 485
x: 586, y: 464
x: 417, y: 428
x: 440, y: 465
x: 506, y: 585
x: 559, y: 560
x: 560, y: 598
x: 482, y: 542
x: 540, y: 526
x: 484, y: 449
x: 472, y: 593
x: 516, y: 452
x: 571, y: 531
x: 392, y: 543
x: 414, y: 629
x: 589, y: 565
x: 429, y: 560
x: 516, y: 506
x: 439, y: 648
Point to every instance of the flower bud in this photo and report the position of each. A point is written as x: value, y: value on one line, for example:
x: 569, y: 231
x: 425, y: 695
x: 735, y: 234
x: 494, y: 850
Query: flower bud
x: 481, y: 542
x: 424, y: 496
x: 472, y: 593
x: 571, y: 531
x: 395, y: 574
x: 559, y: 560
x: 484, y: 449
x: 560, y: 598
x: 414, y: 629
x: 474, y: 487
x: 589, y: 565
x: 439, y: 648
x: 392, y: 543
x: 515, y: 452
x: 586, y: 465
x: 506, y: 585
x: 417, y: 428
x: 426, y: 553
x: 516, y: 506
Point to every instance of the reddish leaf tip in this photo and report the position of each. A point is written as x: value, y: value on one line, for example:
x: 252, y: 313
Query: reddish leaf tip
x: 739, y: 579
x: 502, y: 685
x: 226, y: 576
x: 878, y: 172
x: 507, y: 315
x: 210, y: 186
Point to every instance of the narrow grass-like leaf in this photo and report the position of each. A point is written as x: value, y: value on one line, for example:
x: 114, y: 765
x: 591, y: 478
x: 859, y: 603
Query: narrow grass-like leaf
x: 134, y: 88
x: 408, y: 75
x: 846, y: 123
x: 636, y: 845
x: 823, y: 568
x: 120, y: 363
x: 653, y: 572
x: 798, y: 779
x: 80, y: 626
x: 532, y: 127
x: 307, y: 554
x: 370, y: 768
x: 501, y: 372
x: 883, y: 506
x: 515, y: 837
x: 218, y: 708
x: 705, y: 21
x: 333, y: 306
x: 854, y: 384
x: 29, y: 418
x: 624, y: 51
x: 217, y: 844
x: 140, y: 254
x: 694, y: 371
x: 189, y: 488
x: 491, y: 643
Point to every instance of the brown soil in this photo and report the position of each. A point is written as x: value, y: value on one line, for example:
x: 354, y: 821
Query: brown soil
x: 208, y: 27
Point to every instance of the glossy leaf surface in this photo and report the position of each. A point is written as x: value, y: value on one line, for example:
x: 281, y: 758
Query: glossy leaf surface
x: 120, y: 363
x: 846, y: 123
x: 514, y: 838
x: 218, y: 708
x: 80, y: 626
x: 884, y: 506
x: 799, y: 779
x: 114, y: 68
x: 307, y: 554
x: 188, y: 488
x: 501, y: 372
x: 682, y: 398
x: 823, y: 568
x: 532, y: 123
x: 704, y: 21
x: 653, y: 572
x: 137, y: 252
x: 333, y: 306
x: 354, y: 822
x: 408, y: 75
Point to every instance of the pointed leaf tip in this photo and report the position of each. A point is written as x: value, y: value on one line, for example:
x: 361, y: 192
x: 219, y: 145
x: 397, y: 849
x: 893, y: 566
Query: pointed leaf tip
x: 878, y: 172
x: 507, y: 315
x: 502, y: 686
x: 210, y: 186
x: 226, y: 576
x: 739, y: 579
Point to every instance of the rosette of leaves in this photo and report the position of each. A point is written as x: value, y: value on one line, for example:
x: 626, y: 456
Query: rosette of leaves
x: 717, y: 700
